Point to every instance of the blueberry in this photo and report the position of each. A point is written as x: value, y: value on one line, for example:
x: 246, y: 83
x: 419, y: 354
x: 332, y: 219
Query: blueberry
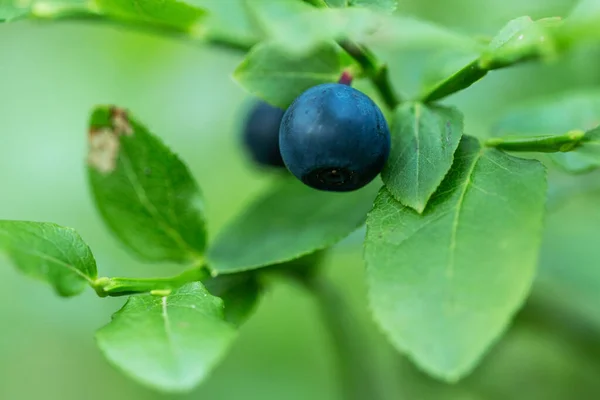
x: 334, y: 137
x: 261, y: 134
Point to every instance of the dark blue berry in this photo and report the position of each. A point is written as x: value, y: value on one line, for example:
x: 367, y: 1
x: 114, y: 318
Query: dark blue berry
x: 334, y: 137
x: 261, y: 134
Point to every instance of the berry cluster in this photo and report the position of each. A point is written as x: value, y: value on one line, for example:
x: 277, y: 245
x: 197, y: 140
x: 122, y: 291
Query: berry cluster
x: 332, y: 137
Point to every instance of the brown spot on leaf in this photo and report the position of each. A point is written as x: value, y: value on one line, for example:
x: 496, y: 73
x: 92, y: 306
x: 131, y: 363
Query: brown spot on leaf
x: 103, y: 149
x: 120, y: 121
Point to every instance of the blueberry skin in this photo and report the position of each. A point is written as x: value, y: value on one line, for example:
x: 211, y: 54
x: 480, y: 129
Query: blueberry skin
x: 334, y: 138
x: 261, y: 134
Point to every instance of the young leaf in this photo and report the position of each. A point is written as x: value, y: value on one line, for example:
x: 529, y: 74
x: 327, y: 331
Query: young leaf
x: 555, y: 116
x: 279, y: 77
x: 289, y: 221
x: 424, y: 139
x: 49, y: 252
x: 378, y: 5
x: 169, y: 343
x: 145, y: 194
x: 521, y: 39
x: 172, y: 14
x: 445, y: 284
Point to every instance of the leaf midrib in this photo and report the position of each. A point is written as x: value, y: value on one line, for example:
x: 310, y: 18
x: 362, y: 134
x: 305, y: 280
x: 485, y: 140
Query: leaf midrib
x: 149, y: 206
x: 417, y: 132
x: 455, y: 222
x: 176, y: 365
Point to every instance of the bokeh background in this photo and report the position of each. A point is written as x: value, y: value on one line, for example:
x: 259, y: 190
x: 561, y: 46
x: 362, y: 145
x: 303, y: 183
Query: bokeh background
x: 51, y: 75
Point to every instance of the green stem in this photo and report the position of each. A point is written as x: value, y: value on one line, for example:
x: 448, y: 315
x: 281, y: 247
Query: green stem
x: 542, y: 144
x: 455, y: 83
x: 477, y: 69
x: 357, y: 377
x: 115, y: 287
x: 374, y: 69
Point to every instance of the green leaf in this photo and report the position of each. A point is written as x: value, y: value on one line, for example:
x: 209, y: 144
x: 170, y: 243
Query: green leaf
x: 542, y: 344
x: 521, y: 39
x: 555, y: 116
x: 168, y: 343
x: 445, y: 284
x: 239, y: 292
x: 278, y: 77
x: 424, y: 139
x: 289, y: 221
x: 227, y: 20
x: 145, y: 194
x: 379, y: 5
x: 51, y: 253
x: 171, y: 14
x: 297, y: 27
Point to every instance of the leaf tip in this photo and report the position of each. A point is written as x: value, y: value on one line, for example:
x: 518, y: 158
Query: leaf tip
x: 107, y: 124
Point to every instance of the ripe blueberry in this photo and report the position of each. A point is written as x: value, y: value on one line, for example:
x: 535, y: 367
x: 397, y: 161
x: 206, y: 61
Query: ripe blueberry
x: 334, y: 138
x: 261, y: 134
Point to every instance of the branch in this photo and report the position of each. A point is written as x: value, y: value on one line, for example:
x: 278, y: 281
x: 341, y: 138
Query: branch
x: 541, y: 144
x: 374, y: 69
x: 115, y: 287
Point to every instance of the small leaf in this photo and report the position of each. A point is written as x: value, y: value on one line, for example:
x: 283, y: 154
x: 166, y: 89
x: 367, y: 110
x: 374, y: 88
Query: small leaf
x: 51, y: 253
x: 289, y: 221
x: 424, y: 139
x: 278, y: 77
x: 445, y: 284
x: 168, y: 343
x: 145, y: 194
x: 521, y: 39
x: 171, y: 14
x: 239, y: 292
x: 379, y: 5
x: 555, y: 116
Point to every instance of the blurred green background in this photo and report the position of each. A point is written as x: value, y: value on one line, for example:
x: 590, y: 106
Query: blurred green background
x: 51, y: 75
